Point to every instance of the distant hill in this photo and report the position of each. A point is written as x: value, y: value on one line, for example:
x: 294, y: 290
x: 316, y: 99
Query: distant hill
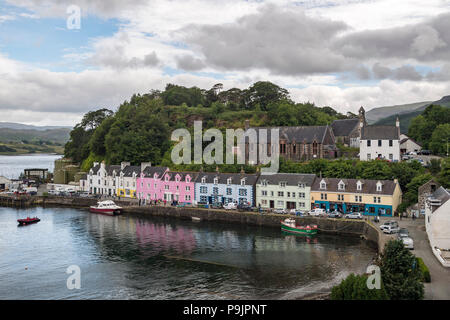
x: 405, y: 113
x: 377, y: 114
x: 18, y: 132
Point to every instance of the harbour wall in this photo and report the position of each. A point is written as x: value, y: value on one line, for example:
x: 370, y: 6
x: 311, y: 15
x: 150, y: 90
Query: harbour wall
x: 360, y: 228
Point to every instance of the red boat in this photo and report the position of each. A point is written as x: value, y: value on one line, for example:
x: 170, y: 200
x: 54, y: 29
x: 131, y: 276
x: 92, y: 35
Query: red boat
x: 27, y: 221
x: 106, y: 207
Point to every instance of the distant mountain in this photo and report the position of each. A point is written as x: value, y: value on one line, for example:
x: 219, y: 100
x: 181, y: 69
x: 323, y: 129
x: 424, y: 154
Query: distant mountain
x: 21, y: 126
x: 377, y: 114
x: 405, y: 116
x: 19, y: 133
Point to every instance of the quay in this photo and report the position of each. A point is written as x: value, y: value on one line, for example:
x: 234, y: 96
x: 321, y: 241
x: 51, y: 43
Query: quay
x: 361, y: 228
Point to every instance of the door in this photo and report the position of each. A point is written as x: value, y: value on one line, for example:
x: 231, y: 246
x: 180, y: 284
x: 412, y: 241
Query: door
x: 272, y: 204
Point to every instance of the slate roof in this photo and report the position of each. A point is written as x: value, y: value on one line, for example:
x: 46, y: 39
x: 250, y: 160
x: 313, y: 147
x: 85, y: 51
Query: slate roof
x: 298, y: 134
x: 173, y: 174
x: 128, y: 170
x: 380, y: 133
x: 109, y: 169
x: 223, y: 177
x: 441, y: 194
x: 368, y: 187
x: 291, y: 179
x: 344, y: 127
x: 149, y: 172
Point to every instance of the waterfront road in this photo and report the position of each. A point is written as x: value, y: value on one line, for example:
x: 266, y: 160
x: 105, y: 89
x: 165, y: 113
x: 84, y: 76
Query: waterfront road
x: 439, y: 288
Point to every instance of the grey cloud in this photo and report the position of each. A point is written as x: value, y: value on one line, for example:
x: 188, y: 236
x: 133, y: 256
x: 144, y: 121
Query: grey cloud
x: 282, y: 41
x: 116, y: 57
x: 402, y: 73
x: 426, y: 41
x: 189, y: 63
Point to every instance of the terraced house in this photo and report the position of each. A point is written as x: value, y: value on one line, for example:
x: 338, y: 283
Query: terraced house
x: 369, y: 197
x: 148, y: 184
x: 126, y: 181
x: 284, y: 191
x: 178, y: 187
x: 225, y: 187
x: 101, y: 179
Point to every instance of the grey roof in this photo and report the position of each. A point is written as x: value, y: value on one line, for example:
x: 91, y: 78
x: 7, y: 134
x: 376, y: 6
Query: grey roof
x: 291, y: 179
x: 223, y: 177
x: 368, y: 186
x: 344, y: 127
x: 149, y: 172
x: 173, y: 174
x: 307, y: 134
x: 441, y: 194
x: 380, y: 132
x: 109, y: 169
x: 129, y: 170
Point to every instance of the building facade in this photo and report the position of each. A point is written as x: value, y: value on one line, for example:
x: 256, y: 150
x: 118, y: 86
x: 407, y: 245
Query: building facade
x: 178, y: 187
x: 437, y: 224
x: 101, y: 179
x: 149, y: 182
x: 295, y: 143
x: 284, y: 191
x: 408, y: 145
x: 224, y: 188
x: 380, y: 142
x: 126, y: 181
x: 348, y: 131
x: 369, y: 197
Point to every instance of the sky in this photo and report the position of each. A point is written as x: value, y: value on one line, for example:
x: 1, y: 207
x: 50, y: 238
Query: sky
x: 56, y: 65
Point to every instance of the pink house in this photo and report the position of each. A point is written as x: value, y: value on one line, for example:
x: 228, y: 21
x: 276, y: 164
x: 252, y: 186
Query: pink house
x: 178, y: 186
x: 149, y: 183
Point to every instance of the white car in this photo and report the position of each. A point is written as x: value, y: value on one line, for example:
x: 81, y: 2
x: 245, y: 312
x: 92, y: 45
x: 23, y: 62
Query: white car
x: 388, y: 224
x: 230, y: 206
x: 407, y: 242
x: 317, y: 212
x: 391, y: 229
x: 354, y: 215
x: 280, y: 211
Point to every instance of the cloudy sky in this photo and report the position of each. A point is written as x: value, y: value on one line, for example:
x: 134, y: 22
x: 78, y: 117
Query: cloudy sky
x: 343, y: 53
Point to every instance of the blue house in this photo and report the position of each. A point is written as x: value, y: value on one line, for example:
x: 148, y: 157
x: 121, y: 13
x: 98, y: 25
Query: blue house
x: 225, y: 187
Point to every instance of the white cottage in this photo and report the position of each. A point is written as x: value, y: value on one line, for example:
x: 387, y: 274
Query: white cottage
x: 437, y: 223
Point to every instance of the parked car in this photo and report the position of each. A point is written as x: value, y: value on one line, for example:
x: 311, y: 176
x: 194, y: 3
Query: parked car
x: 335, y: 214
x: 296, y: 212
x: 217, y: 205
x: 405, y: 157
x: 244, y: 207
x: 280, y: 211
x: 388, y: 224
x: 230, y: 206
x: 354, y: 215
x: 425, y: 152
x: 317, y: 212
x: 407, y: 241
x: 403, y: 232
x: 391, y: 229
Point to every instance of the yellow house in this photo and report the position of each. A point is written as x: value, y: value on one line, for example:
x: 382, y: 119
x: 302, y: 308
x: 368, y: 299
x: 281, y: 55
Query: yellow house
x: 369, y: 197
x: 127, y: 181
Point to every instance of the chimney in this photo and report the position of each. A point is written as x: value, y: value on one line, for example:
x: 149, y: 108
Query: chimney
x: 217, y: 169
x: 102, y: 165
x: 247, y: 124
x: 397, y: 124
x: 123, y: 165
x: 145, y: 165
x: 95, y: 164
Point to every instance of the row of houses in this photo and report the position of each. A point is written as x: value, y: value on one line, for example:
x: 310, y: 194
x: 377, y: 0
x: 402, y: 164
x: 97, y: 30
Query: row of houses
x: 277, y: 191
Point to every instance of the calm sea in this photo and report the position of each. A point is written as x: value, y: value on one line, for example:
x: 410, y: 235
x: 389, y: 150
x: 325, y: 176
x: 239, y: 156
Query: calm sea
x: 12, y: 166
x: 160, y: 258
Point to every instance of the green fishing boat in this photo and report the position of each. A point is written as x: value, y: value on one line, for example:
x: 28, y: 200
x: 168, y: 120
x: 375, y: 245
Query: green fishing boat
x: 289, y: 225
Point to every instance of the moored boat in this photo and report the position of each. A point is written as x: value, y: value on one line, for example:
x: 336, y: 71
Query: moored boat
x: 27, y: 221
x: 107, y: 207
x: 289, y: 225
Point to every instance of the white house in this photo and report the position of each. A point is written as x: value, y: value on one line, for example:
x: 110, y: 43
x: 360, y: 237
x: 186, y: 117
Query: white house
x: 437, y: 224
x: 408, y: 145
x: 101, y: 179
x: 380, y: 142
x: 4, y: 183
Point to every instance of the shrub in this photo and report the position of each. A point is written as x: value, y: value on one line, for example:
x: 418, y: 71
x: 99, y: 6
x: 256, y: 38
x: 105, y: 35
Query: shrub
x: 354, y: 287
x: 426, y: 277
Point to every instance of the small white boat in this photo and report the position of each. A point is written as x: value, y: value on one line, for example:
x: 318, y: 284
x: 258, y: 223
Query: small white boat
x: 107, y: 207
x: 196, y: 219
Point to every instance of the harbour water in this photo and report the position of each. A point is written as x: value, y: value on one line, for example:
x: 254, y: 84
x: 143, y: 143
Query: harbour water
x: 129, y: 257
x: 12, y: 166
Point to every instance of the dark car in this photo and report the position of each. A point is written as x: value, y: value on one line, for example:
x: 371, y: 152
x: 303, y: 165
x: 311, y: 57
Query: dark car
x: 425, y: 152
x: 403, y: 232
x: 244, y: 207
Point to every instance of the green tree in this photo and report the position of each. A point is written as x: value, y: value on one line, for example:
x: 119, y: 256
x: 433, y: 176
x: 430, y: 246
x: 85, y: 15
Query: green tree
x: 400, y: 273
x: 439, y: 139
x: 354, y: 287
x: 263, y: 93
x: 444, y: 175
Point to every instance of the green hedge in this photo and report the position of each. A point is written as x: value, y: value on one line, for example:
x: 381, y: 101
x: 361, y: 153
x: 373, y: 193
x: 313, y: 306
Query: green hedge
x: 426, y: 277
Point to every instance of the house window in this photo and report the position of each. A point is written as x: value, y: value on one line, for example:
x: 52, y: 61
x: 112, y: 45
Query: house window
x: 341, y: 186
x: 379, y: 143
x: 301, y: 195
x: 288, y: 194
x: 379, y: 186
x: 203, y: 180
x: 203, y: 189
x: 282, y: 184
x: 369, y: 157
x: 359, y: 186
x: 323, y: 185
x: 301, y: 204
x: 264, y: 193
x: 216, y: 181
x: 264, y: 183
x: 391, y: 156
x: 280, y: 193
x: 369, y: 143
x: 216, y: 190
x: 203, y: 199
x: 243, y: 192
x: 391, y: 143
x: 188, y: 188
x: 229, y: 181
x: 229, y: 191
x: 166, y: 187
x: 187, y: 197
x: 301, y: 185
x: 243, y: 182
x: 264, y: 202
x: 280, y: 203
x: 323, y: 196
